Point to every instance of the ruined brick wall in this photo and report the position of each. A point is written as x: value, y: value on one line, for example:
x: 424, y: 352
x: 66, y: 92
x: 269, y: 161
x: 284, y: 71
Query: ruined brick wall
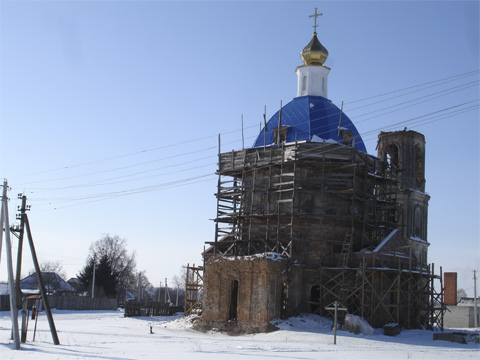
x: 260, y: 286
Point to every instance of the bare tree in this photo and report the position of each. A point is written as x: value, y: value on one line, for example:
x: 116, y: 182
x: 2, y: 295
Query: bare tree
x: 53, y: 275
x: 461, y: 293
x: 112, y: 252
x: 180, y: 280
x: 53, y: 267
x: 143, y: 287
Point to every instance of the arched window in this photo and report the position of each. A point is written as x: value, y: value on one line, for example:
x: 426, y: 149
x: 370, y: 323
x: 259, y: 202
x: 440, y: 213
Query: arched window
x: 304, y: 83
x: 392, y: 155
x: 418, y: 225
x: 419, y: 165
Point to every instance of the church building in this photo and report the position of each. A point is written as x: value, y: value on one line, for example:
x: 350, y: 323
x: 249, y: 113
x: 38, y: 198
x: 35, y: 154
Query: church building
x: 306, y: 217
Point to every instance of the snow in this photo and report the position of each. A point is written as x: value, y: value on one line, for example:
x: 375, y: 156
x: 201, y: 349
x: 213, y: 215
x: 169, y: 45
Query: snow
x: 268, y: 255
x: 416, y: 238
x: 358, y: 324
x: 318, y: 139
x: 387, y: 239
x: 109, y: 335
x: 418, y: 191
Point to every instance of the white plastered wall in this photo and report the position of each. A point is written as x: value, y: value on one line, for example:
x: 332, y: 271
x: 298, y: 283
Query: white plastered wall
x: 312, y: 80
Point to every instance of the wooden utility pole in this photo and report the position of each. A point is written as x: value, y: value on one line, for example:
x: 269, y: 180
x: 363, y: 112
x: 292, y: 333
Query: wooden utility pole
x: 41, y: 285
x: 93, y: 277
x: 139, y: 287
x: 15, y: 286
x: 23, y: 208
x: 11, y: 282
x: 475, y: 314
x: 166, y: 289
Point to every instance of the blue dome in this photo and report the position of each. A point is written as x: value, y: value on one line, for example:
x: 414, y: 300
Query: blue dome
x: 311, y: 119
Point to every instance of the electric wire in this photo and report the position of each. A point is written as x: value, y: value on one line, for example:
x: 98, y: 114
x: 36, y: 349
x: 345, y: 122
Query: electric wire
x: 416, y: 120
x: 450, y: 78
x: 419, y: 121
x: 181, y: 182
x: 436, y: 83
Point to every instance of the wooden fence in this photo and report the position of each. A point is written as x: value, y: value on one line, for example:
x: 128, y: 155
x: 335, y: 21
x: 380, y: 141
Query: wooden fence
x: 150, y: 309
x: 70, y: 303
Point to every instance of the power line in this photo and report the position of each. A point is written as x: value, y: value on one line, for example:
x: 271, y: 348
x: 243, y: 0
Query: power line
x: 182, y: 143
x: 420, y: 120
x: 455, y: 77
x: 103, y: 198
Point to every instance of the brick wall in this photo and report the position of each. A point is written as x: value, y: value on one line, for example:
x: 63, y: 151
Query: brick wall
x: 450, y: 283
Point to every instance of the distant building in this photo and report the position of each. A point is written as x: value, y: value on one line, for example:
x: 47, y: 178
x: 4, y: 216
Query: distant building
x: 75, y: 283
x: 463, y: 314
x: 4, y: 288
x: 54, y: 284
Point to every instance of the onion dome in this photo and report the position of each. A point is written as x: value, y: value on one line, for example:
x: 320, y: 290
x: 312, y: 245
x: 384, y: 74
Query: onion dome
x: 312, y: 119
x: 314, y: 53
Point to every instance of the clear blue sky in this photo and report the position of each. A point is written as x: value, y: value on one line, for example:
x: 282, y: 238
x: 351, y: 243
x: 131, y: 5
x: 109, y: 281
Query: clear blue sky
x: 110, y: 111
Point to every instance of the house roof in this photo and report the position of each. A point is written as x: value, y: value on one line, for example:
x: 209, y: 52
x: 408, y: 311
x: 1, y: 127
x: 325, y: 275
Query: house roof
x: 49, y: 278
x: 4, y: 288
x: 468, y: 301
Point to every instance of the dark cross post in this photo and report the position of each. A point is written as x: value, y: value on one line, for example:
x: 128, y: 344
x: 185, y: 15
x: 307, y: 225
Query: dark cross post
x: 315, y: 16
x: 336, y: 307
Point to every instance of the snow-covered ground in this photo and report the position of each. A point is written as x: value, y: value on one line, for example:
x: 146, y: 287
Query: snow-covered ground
x: 109, y: 335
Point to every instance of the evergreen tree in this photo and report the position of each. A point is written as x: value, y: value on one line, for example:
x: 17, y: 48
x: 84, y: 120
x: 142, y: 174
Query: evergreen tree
x: 114, y: 268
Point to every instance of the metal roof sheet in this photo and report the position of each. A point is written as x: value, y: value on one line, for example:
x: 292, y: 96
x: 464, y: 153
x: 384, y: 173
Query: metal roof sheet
x: 310, y: 116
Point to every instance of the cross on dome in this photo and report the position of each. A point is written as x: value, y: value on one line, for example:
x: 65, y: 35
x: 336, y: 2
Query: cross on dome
x: 315, y: 16
x: 314, y: 53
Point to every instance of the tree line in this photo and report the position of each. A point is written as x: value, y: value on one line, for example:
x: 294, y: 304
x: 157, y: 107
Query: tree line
x: 115, y: 272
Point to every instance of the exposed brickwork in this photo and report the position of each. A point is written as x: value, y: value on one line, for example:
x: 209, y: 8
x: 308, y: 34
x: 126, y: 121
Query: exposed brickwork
x: 259, y: 296
x: 450, y: 283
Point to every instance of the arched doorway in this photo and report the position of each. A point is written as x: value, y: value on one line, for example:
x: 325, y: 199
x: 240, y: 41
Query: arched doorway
x: 232, y: 315
x: 315, y: 299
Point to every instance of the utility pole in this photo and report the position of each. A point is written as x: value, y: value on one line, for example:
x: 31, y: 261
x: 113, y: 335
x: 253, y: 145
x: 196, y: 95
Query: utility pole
x: 159, y: 291
x: 93, y: 280
x: 23, y: 209
x: 166, y: 289
x: 11, y: 281
x: 139, y: 285
x: 13, y: 303
x: 475, y: 314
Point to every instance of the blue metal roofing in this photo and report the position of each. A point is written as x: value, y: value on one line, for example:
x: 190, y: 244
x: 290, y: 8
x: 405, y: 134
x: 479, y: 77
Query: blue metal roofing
x: 311, y: 119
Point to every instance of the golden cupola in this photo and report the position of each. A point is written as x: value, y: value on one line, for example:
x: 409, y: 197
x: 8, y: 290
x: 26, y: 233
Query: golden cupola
x: 314, y: 53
